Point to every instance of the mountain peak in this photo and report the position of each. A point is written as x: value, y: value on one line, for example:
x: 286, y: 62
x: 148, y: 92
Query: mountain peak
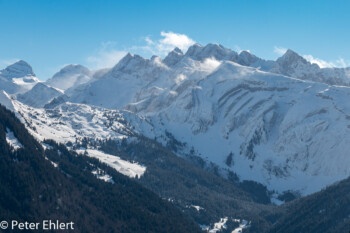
x: 193, y: 50
x: 246, y: 53
x: 128, y: 57
x: 69, y: 76
x: 290, y: 52
x: 72, y: 69
x: 129, y: 62
x: 294, y: 65
x: 247, y: 58
x: 173, y: 57
x: 17, y: 70
x: 217, y: 51
x: 290, y: 57
x: 177, y: 50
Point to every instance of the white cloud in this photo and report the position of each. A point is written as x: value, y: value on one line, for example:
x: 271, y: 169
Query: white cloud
x: 341, y: 63
x: 210, y: 64
x: 149, y: 41
x: 168, y: 42
x: 106, y: 56
x: 180, y: 78
x: 172, y: 39
x: 321, y: 63
x: 279, y: 50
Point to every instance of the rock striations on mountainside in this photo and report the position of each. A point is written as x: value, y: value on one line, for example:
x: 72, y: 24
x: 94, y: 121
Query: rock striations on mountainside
x: 284, y: 122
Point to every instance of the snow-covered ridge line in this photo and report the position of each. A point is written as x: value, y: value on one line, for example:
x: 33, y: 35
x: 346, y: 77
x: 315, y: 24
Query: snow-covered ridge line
x: 280, y: 123
x: 72, y: 122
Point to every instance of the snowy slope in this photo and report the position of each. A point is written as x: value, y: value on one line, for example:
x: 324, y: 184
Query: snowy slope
x: 5, y: 99
x: 135, y: 79
x: 70, y: 76
x: 17, y: 78
x: 70, y: 122
x: 133, y: 170
x: 283, y: 122
x: 17, y: 70
x: 75, y: 122
x: 283, y: 132
x: 39, y: 95
x: 120, y: 84
x: 12, y: 140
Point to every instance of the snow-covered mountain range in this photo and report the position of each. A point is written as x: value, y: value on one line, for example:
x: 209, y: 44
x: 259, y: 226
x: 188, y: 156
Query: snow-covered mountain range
x: 17, y: 78
x: 283, y: 123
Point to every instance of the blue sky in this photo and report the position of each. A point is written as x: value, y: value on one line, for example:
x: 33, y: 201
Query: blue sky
x: 49, y: 34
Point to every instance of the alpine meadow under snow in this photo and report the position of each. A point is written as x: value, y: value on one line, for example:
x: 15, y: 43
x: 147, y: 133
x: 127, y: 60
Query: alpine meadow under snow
x: 283, y: 123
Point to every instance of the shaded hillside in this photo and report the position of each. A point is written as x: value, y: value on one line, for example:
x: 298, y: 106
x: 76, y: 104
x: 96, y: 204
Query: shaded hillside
x: 325, y: 211
x: 32, y: 189
x: 202, y: 195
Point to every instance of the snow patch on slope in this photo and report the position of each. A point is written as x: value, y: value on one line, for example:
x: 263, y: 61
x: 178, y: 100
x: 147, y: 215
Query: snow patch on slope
x: 243, y: 224
x: 102, y: 175
x: 53, y: 163
x: 133, y: 170
x: 12, y: 140
x: 219, y: 225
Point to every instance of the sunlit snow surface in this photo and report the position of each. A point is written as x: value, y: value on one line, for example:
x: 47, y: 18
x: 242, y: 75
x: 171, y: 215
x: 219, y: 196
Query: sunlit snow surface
x: 221, y: 225
x: 133, y: 170
x: 243, y: 224
x: 71, y: 122
x: 286, y: 133
x: 53, y: 163
x: 12, y: 140
x: 103, y: 176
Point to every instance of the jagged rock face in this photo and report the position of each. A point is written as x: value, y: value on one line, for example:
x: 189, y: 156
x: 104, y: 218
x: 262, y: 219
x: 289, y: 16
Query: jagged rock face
x: 17, y: 78
x: 247, y: 58
x: 173, y: 57
x: 293, y: 65
x: 218, y: 52
x: 17, y: 70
